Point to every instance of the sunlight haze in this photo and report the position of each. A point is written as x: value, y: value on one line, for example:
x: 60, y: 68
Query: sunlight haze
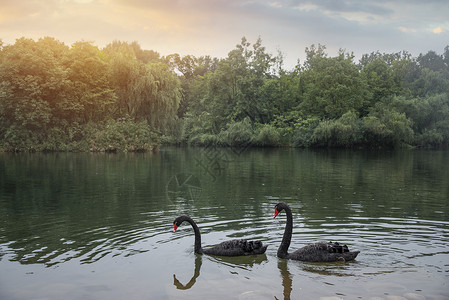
x: 204, y: 27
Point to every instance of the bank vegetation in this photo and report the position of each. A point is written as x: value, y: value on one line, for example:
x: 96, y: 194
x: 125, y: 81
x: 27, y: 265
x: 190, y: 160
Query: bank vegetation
x: 55, y: 97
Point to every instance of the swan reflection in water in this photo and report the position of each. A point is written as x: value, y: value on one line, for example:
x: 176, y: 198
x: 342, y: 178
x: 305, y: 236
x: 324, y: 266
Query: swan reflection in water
x: 338, y: 268
x: 243, y: 262
x: 286, y: 278
x: 196, y: 273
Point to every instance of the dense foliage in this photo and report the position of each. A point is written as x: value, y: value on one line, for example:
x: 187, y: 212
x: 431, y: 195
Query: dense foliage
x: 53, y: 97
x: 78, y: 98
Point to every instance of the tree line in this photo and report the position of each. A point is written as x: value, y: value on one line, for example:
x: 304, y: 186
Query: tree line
x: 82, y: 98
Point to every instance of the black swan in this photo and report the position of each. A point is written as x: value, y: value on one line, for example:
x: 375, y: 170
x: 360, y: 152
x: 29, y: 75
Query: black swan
x: 228, y: 248
x: 318, y: 252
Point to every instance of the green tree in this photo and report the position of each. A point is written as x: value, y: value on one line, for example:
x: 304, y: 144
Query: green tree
x: 431, y: 60
x: 235, y: 90
x: 344, y: 132
x: 283, y: 92
x: 92, y: 97
x: 33, y: 83
x: 381, y: 81
x: 192, y: 70
x: 156, y: 95
x: 144, y: 91
x: 144, y: 56
x: 386, y: 127
x: 431, y: 82
x: 332, y: 86
x: 123, y: 71
x: 430, y: 117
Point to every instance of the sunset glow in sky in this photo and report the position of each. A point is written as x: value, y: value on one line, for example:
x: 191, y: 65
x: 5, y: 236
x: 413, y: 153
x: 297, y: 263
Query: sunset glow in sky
x: 214, y: 27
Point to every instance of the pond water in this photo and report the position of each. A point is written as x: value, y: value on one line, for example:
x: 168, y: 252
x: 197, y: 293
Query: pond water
x: 100, y: 226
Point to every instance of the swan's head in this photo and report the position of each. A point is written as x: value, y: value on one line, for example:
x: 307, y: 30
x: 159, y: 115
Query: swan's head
x: 278, y: 208
x: 177, y: 222
x: 175, y: 226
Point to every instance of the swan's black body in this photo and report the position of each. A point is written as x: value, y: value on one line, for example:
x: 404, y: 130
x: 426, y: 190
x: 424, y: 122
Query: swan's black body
x: 318, y: 252
x: 228, y: 248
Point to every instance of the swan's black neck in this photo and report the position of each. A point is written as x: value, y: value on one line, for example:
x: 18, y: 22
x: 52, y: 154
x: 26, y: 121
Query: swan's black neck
x: 198, y: 249
x: 283, y: 248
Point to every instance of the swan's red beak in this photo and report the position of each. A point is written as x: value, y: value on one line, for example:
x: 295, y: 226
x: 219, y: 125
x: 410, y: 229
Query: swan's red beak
x: 275, y: 212
x: 176, y: 227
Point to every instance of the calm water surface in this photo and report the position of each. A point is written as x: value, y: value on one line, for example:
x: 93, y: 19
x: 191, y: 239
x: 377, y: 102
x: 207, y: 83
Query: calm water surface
x: 100, y: 226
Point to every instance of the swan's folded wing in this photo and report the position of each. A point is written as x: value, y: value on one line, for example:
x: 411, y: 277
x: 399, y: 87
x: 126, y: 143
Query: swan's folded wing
x: 322, y: 252
x: 236, y: 248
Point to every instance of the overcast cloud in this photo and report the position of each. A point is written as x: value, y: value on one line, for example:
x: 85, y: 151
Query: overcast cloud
x: 208, y: 27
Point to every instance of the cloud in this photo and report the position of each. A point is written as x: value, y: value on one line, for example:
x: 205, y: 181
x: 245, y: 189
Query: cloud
x: 405, y: 29
x: 439, y: 30
x: 345, y: 6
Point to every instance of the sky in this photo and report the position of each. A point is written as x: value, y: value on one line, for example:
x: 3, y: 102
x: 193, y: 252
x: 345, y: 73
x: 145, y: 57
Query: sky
x: 215, y: 27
